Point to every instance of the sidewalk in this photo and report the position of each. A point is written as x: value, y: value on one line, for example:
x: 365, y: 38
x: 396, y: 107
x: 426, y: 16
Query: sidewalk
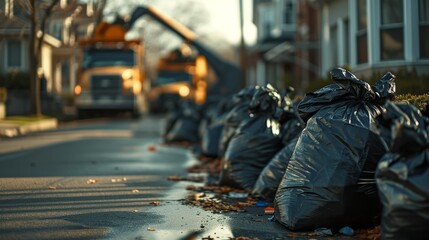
x: 20, y: 125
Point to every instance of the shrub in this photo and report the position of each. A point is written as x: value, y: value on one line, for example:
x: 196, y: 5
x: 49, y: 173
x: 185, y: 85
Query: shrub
x: 17, y: 80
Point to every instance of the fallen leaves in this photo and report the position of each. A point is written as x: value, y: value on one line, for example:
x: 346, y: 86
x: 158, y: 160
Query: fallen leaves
x: 369, y: 233
x: 190, y: 179
x: 155, y: 203
x: 215, y: 202
x: 115, y: 180
x: 212, y: 167
x: 91, y: 181
x: 52, y: 188
x: 151, y: 148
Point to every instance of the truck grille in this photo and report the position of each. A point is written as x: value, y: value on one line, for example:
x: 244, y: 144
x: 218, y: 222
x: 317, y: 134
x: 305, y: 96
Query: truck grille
x: 106, y: 87
x: 106, y: 83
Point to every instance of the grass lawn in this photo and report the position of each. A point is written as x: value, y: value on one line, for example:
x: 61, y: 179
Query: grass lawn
x: 23, y: 119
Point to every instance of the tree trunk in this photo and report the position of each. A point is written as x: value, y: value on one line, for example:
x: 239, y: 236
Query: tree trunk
x: 34, y: 62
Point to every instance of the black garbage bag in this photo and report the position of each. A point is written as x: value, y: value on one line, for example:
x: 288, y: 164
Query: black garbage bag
x: 269, y: 179
x: 236, y: 116
x: 185, y: 124
x: 170, y: 120
x: 403, y: 175
x: 271, y: 176
x: 212, y: 133
x: 292, y: 123
x: 329, y: 181
x: 212, y: 136
x: 255, y: 141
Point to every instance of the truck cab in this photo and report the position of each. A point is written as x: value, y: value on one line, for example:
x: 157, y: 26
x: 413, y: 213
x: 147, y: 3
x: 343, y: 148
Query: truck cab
x: 180, y: 76
x: 110, y: 75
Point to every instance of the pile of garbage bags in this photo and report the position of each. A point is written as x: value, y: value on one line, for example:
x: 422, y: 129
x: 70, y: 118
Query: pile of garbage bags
x: 403, y: 174
x: 344, y: 155
x: 329, y: 180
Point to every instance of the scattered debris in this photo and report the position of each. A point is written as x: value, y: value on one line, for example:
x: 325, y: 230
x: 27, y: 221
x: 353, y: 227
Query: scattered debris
x: 212, y: 167
x: 237, y: 195
x: 323, y: 232
x: 346, y: 231
x: 151, y: 148
x: 244, y: 238
x: 114, y: 180
x: 91, y: 181
x: 269, y: 210
x: 207, y: 238
x: 369, y: 233
x: 190, y: 179
x: 135, y: 210
x: 135, y: 191
x: 151, y: 229
x: 52, y: 188
x: 261, y: 204
x: 156, y: 203
x: 215, y: 189
x: 216, y: 198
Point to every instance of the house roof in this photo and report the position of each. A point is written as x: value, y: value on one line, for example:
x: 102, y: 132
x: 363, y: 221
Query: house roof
x: 17, y: 27
x: 13, y: 26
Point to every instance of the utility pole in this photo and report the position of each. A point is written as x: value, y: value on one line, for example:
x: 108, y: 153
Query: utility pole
x: 242, y: 45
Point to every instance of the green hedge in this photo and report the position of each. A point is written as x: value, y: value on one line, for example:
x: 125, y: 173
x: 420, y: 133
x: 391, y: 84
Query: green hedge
x: 15, y: 80
x: 407, y: 82
x: 420, y: 101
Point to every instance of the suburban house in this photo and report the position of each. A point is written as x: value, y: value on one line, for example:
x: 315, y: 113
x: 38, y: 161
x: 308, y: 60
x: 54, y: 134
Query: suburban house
x: 375, y: 35
x: 314, y: 36
x: 287, y: 46
x: 14, y: 46
x: 67, y: 23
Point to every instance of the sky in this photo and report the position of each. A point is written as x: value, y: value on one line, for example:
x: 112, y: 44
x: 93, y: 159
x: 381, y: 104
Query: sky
x: 223, y: 19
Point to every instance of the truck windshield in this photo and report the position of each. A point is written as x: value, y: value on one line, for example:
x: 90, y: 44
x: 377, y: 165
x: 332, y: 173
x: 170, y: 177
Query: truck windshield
x: 108, y: 57
x: 167, y: 77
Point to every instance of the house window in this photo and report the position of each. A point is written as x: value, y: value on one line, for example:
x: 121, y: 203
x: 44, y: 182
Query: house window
x: 14, y: 53
x: 346, y: 42
x: 288, y: 13
x: 392, y: 30
x: 424, y: 28
x: 362, y: 33
x: 334, y: 45
x: 56, y: 29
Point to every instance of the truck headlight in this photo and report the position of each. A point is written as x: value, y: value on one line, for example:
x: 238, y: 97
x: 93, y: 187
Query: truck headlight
x: 77, y: 90
x: 128, y: 74
x: 184, y: 91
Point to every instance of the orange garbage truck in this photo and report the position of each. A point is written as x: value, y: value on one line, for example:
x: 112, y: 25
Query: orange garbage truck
x: 111, y: 73
x: 181, y: 75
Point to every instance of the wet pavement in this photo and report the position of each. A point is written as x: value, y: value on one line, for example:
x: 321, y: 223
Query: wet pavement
x: 109, y: 180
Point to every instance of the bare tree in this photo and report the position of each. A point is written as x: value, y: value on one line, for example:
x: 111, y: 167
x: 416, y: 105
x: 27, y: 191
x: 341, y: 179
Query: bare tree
x: 37, y: 13
x: 36, y: 41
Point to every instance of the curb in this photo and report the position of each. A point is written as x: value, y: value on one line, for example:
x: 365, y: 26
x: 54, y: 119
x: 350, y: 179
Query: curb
x: 13, y: 130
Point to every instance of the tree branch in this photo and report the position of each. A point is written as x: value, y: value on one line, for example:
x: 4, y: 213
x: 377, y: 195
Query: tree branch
x: 43, y: 25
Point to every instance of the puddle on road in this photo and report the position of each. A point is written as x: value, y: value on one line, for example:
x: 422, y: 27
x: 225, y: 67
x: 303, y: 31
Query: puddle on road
x: 174, y: 219
x: 179, y: 221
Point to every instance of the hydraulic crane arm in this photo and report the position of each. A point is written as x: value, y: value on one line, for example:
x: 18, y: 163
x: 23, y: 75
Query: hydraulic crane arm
x: 230, y: 77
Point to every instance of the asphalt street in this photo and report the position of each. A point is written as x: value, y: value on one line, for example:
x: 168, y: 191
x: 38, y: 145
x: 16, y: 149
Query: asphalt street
x: 107, y: 179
